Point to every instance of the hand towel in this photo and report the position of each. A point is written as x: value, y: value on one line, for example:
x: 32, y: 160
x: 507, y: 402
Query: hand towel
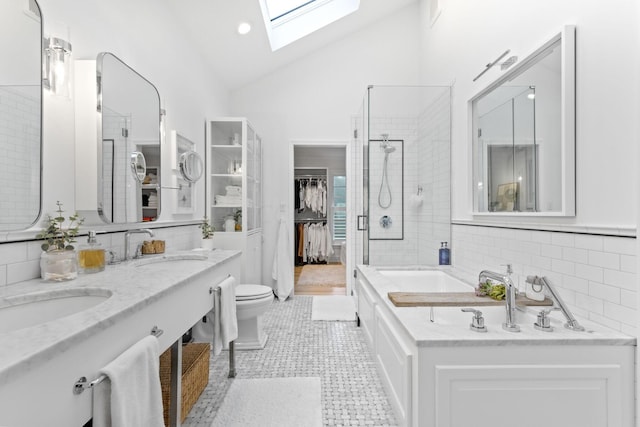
x: 282, y: 271
x: 131, y: 396
x: 225, y: 321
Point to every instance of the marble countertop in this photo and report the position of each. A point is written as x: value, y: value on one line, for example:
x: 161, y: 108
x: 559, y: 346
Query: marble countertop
x: 132, y: 285
x: 444, y: 332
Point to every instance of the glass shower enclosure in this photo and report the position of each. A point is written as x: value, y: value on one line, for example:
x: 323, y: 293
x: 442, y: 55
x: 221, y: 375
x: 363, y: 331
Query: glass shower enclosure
x: 403, y: 140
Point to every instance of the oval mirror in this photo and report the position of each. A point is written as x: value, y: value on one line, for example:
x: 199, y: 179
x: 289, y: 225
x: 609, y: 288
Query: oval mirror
x: 20, y: 128
x: 138, y: 166
x: 129, y: 125
x: 191, y: 166
x: 524, y: 135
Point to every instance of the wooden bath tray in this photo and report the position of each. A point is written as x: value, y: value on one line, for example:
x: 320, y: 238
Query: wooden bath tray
x: 453, y: 299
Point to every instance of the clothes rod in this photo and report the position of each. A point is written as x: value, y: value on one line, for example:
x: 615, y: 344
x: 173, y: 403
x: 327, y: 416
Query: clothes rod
x: 310, y: 176
x: 82, y: 384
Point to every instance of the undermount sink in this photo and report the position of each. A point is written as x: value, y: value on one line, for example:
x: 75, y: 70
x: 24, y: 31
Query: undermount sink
x: 145, y: 260
x: 24, y: 311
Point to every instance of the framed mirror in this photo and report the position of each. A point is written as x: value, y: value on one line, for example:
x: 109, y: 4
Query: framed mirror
x: 20, y: 114
x: 129, y: 143
x: 523, y: 133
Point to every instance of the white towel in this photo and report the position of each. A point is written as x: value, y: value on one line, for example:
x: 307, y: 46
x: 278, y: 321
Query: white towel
x: 282, y: 271
x: 225, y: 321
x: 131, y: 396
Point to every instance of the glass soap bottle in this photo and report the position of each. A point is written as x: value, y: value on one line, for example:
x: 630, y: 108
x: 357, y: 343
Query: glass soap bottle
x: 444, y: 254
x: 91, y: 257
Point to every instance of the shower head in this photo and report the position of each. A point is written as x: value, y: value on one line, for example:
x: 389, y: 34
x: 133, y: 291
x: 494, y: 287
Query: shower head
x: 385, y: 145
x: 388, y: 149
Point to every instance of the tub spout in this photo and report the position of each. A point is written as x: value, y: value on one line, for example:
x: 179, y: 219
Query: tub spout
x: 510, y: 296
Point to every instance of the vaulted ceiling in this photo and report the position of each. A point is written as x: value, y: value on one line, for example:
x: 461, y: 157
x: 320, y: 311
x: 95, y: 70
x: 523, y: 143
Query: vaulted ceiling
x: 239, y: 60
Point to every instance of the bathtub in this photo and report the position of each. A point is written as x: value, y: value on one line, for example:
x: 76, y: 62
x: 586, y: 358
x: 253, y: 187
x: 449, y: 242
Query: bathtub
x: 438, y: 372
x: 424, y: 281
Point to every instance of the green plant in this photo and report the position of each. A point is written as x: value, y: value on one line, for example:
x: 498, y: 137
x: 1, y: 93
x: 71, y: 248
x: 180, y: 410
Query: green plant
x: 237, y: 216
x: 56, y: 236
x: 207, y: 229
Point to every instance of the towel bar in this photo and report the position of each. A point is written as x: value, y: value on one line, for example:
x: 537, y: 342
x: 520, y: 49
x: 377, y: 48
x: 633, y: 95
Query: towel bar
x: 232, y: 353
x: 82, y: 384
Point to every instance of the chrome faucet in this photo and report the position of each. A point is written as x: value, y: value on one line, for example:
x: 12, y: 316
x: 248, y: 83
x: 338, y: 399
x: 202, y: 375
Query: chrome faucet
x: 127, y: 237
x: 572, y: 323
x: 510, y: 296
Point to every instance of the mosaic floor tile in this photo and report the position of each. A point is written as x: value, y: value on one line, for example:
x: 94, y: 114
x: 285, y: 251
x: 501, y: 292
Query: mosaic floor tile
x: 352, y: 393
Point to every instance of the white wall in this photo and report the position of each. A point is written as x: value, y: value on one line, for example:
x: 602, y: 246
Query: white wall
x: 314, y: 98
x: 468, y: 35
x: 591, y: 257
x: 141, y: 34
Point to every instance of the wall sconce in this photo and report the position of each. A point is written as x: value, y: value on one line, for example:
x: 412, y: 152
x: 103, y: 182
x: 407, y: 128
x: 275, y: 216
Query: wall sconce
x: 57, y: 66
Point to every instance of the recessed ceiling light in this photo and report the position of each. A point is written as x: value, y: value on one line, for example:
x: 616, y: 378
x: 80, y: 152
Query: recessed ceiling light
x: 244, y: 28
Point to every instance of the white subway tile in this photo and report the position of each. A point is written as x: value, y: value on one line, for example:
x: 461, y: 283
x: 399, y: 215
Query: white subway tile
x: 564, y: 267
x: 13, y: 252
x: 629, y: 330
x: 591, y: 304
x: 21, y: 271
x: 594, y: 243
x: 551, y: 251
x: 576, y: 284
x: 620, y: 313
x: 575, y: 255
x: 563, y: 239
x: 620, y: 245
x: 610, y: 323
x: 605, y: 292
x: 629, y: 263
x: 542, y: 237
x: 604, y: 259
x: 590, y: 272
x: 620, y: 279
x: 3, y: 275
x: 629, y: 298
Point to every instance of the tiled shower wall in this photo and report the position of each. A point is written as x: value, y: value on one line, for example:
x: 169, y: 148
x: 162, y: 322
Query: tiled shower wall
x: 595, y: 274
x: 20, y: 261
x: 19, y: 121
x: 427, y: 165
x: 392, y: 251
x: 434, y: 178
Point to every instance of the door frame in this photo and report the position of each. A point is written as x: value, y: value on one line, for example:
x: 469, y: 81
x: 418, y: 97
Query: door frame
x: 349, y: 172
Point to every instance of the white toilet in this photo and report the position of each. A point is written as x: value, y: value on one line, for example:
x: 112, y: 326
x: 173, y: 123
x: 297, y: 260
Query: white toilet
x: 252, y: 301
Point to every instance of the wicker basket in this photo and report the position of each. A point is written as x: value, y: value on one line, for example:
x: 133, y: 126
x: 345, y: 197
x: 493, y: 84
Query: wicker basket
x: 195, y: 376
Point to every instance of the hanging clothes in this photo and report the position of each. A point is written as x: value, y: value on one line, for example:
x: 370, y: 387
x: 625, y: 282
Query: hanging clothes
x: 314, y: 243
x: 311, y: 194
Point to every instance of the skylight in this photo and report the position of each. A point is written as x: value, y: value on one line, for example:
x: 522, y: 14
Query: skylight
x: 289, y: 20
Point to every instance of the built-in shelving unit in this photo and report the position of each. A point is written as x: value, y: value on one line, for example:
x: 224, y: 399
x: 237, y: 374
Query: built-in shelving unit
x: 234, y: 191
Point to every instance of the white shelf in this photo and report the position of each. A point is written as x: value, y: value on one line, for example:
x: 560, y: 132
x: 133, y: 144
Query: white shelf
x: 228, y: 206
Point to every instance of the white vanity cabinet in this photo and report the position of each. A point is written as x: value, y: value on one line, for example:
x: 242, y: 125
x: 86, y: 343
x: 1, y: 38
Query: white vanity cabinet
x: 36, y: 385
x: 234, y: 192
x: 441, y: 374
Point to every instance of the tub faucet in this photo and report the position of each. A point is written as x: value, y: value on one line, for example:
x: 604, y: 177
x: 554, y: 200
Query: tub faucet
x: 127, y: 237
x: 510, y: 296
x: 572, y: 323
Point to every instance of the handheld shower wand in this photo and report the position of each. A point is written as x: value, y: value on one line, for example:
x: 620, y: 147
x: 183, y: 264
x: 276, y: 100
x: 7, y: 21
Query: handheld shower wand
x: 384, y: 184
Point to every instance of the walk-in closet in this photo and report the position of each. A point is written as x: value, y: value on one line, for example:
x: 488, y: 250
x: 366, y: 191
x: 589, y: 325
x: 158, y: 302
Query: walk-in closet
x: 319, y: 220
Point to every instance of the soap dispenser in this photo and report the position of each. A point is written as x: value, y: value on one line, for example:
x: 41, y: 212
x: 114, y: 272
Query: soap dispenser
x: 444, y: 254
x: 91, y: 256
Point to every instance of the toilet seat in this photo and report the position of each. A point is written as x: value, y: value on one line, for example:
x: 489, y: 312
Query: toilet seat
x: 252, y: 292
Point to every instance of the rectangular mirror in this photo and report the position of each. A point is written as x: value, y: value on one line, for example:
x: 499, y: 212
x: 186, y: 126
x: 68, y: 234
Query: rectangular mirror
x: 523, y: 133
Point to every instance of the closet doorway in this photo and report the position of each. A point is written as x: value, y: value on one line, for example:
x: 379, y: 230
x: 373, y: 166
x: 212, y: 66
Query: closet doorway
x: 319, y: 211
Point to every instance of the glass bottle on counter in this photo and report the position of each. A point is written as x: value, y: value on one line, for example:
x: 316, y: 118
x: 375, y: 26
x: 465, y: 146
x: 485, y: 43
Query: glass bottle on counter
x: 91, y: 256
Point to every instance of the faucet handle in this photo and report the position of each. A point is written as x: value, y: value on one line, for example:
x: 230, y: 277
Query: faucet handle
x: 477, y: 322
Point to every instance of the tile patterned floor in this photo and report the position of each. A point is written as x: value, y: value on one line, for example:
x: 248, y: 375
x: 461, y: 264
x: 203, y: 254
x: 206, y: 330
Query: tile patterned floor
x: 352, y: 394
